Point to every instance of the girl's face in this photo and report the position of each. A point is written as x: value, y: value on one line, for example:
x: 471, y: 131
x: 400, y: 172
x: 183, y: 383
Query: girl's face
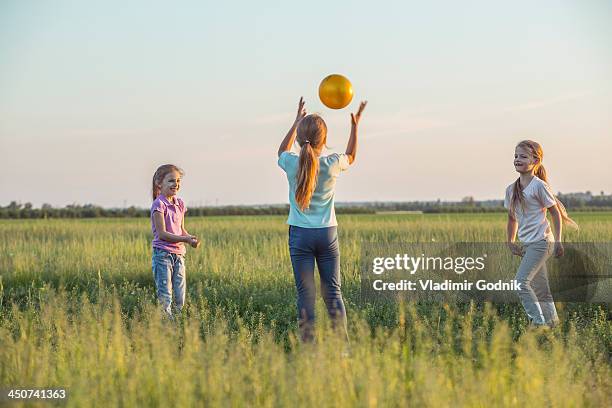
x: 170, y: 184
x: 524, y: 162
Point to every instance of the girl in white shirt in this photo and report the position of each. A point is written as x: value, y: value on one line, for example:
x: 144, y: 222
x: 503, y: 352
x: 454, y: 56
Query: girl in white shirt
x: 527, y: 200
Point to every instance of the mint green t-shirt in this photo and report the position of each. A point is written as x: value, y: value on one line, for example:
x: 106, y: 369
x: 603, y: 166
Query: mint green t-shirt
x: 321, y: 212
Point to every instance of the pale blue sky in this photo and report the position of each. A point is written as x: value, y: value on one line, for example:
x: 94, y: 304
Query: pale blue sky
x: 95, y: 95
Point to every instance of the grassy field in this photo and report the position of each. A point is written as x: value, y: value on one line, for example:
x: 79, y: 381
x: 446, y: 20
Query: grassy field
x: 77, y: 310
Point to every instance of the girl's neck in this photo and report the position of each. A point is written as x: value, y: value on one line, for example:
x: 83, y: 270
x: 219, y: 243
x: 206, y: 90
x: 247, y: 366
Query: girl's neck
x: 526, y: 178
x: 170, y: 198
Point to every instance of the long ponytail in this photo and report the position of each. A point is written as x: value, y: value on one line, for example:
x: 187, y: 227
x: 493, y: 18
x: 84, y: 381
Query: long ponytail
x: 311, y: 136
x: 307, y: 175
x: 540, y: 172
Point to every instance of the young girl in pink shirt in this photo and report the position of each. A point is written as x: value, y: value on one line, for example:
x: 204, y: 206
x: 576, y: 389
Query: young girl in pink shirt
x: 169, y: 237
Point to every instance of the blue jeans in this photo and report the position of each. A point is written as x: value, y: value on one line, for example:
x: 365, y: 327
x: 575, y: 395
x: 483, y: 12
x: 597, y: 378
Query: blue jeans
x: 169, y: 275
x: 307, y: 245
x: 534, y: 290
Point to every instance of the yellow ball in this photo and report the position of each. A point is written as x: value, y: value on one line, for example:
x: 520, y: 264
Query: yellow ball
x: 335, y: 91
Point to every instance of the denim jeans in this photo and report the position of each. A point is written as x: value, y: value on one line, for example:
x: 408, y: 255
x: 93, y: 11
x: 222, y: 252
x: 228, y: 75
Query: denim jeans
x: 169, y: 275
x: 534, y: 290
x: 307, y: 245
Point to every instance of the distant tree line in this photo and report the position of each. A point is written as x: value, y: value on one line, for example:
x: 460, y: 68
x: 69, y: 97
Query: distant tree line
x: 586, y: 200
x: 17, y: 210
x: 574, y: 201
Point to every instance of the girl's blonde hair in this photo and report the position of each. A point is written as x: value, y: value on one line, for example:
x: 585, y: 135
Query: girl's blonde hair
x: 536, y: 151
x: 159, y: 175
x: 311, y: 136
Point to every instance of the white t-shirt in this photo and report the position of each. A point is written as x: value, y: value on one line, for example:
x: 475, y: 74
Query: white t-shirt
x: 532, y: 223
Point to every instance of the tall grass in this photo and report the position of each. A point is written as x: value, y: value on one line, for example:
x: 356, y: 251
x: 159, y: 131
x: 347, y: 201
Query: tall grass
x: 77, y: 310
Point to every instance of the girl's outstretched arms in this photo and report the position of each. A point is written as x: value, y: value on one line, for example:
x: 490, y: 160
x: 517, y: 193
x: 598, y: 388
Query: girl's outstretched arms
x: 511, y: 234
x: 558, y: 230
x: 290, y: 137
x: 351, y: 147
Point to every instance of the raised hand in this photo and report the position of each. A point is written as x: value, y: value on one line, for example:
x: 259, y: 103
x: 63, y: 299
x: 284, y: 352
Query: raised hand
x: 355, y: 117
x: 301, y: 111
x: 289, y: 138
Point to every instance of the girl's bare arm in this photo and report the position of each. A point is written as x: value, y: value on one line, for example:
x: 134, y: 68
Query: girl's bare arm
x: 351, y: 147
x: 557, y: 230
x: 290, y: 137
x: 511, y: 229
x: 160, y: 227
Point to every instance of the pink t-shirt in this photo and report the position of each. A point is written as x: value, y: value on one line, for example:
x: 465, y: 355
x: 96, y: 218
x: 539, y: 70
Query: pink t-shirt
x: 173, y: 214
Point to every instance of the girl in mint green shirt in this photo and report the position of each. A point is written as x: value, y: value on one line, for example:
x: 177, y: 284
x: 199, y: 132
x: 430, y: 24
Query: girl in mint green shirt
x: 313, y: 235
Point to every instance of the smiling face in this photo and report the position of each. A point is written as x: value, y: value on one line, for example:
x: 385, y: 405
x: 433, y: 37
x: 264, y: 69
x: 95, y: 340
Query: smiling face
x: 170, y: 184
x: 524, y: 161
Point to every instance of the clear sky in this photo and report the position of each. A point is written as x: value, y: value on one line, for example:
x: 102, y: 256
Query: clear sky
x: 94, y: 95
